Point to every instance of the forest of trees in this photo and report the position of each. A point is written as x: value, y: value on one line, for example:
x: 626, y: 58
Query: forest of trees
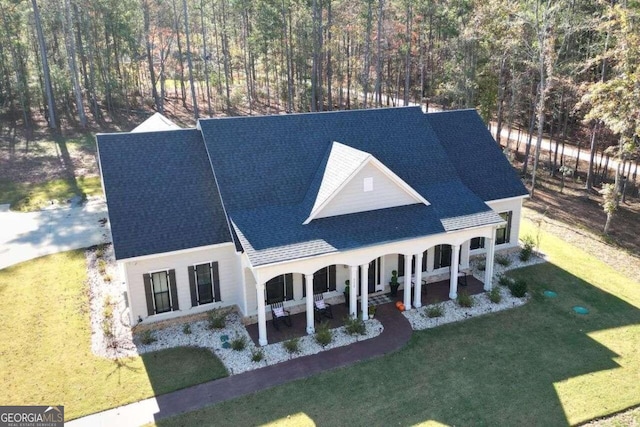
x: 565, y: 68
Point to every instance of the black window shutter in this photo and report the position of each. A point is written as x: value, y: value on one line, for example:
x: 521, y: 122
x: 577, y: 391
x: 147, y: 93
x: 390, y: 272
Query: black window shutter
x: 288, y: 283
x: 424, y: 261
x: 192, y: 286
x: 174, y: 290
x: 216, y: 282
x: 332, y: 277
x: 148, y: 293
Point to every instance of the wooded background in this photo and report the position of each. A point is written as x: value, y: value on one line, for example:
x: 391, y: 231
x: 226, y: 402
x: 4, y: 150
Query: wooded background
x: 568, y: 68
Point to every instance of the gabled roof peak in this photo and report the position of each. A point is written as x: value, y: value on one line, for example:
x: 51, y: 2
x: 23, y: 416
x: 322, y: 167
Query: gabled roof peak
x: 341, y: 167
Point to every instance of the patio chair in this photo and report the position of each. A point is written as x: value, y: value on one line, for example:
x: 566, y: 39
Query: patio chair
x: 462, y: 278
x: 321, y: 308
x: 279, y: 314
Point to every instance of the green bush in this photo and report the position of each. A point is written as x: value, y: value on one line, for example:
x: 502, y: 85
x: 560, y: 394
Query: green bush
x: 107, y: 278
x: 482, y: 266
x: 292, y: 345
x: 217, y: 318
x: 239, y: 343
x: 355, y: 326
x: 503, y: 260
x: 494, y: 295
x: 186, y: 329
x: 518, y: 288
x: 436, y: 310
x: 505, y: 281
x: 465, y: 300
x: 99, y: 251
x: 147, y: 337
x: 324, y: 336
x: 528, y: 243
x: 102, y: 266
x: 257, y: 354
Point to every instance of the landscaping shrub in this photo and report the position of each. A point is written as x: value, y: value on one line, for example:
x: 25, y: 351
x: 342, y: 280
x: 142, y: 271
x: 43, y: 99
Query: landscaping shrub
x: 436, y: 310
x: 355, y: 326
x: 528, y: 243
x: 324, y: 336
x: 465, y: 300
x: 505, y: 281
x: 292, y: 345
x: 518, y: 288
x: 494, y: 295
x: 99, y: 251
x: 217, y: 318
x: 186, y: 329
x: 482, y: 266
x: 107, y: 278
x: 102, y: 266
x: 503, y: 260
x: 107, y: 321
x: 147, y: 337
x: 257, y: 355
x: 239, y: 343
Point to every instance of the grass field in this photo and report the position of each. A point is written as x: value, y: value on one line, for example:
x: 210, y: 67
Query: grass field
x: 540, y: 364
x: 45, y: 346
x: 32, y: 197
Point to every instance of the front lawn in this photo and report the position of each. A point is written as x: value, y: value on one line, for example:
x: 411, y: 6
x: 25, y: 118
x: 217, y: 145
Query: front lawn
x: 540, y: 364
x: 32, y: 197
x: 45, y: 346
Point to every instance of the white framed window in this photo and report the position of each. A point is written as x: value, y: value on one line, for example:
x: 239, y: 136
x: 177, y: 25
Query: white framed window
x: 368, y: 184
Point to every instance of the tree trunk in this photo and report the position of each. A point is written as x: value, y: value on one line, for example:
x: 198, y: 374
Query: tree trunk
x: 206, y: 57
x: 407, y: 59
x: 189, y: 61
x: 379, y: 58
x: 329, y: 65
x: 176, y: 25
x: 152, y: 72
x: 367, y: 43
x: 51, y: 111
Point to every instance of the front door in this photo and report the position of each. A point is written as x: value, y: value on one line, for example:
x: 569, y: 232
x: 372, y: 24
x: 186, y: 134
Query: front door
x: 374, y: 276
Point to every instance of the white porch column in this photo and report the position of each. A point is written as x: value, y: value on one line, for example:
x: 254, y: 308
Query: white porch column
x: 262, y: 318
x: 310, y: 324
x: 490, y: 245
x: 364, y: 291
x: 407, y: 281
x: 353, y: 291
x: 453, y: 279
x: 431, y: 254
x: 417, y: 294
x: 464, y: 255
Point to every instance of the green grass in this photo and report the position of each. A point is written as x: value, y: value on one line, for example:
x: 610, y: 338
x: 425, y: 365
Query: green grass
x: 45, y: 346
x: 32, y: 197
x: 540, y: 364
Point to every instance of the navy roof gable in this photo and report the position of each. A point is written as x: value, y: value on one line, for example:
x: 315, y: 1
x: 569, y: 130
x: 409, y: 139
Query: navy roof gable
x: 161, y: 192
x: 476, y: 156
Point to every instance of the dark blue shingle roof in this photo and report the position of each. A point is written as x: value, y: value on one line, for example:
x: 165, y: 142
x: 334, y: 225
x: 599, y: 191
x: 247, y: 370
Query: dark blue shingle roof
x: 478, y: 160
x: 161, y: 192
x: 266, y: 166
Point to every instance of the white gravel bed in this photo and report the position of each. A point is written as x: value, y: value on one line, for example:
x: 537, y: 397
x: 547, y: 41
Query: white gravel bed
x: 121, y: 344
x: 452, y: 312
x: 240, y: 361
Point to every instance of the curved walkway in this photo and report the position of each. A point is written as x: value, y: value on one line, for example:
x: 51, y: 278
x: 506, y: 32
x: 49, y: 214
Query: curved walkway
x: 395, y: 335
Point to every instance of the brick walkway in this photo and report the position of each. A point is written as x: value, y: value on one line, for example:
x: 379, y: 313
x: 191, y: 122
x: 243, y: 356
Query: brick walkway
x: 397, y: 332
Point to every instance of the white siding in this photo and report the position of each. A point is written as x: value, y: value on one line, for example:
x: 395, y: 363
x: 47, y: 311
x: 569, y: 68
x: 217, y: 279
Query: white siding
x: 352, y: 197
x: 228, y: 268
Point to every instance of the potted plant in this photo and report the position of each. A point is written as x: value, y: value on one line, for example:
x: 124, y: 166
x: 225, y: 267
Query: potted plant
x: 346, y: 293
x: 393, y: 284
x: 372, y: 311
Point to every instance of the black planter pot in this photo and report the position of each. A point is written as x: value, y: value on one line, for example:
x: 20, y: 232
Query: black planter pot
x: 346, y: 299
x: 394, y: 289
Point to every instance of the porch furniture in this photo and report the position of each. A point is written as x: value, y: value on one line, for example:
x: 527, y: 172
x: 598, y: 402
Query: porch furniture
x: 462, y: 278
x: 279, y: 314
x: 321, y: 308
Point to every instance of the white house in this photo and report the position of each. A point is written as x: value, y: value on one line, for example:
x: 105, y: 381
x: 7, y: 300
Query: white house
x: 252, y: 210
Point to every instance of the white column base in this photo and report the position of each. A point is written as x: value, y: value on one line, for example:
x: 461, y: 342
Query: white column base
x: 417, y: 292
x: 453, y: 279
x: 262, y: 317
x: 353, y: 291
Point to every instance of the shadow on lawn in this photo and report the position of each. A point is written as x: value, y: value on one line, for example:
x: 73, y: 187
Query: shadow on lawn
x: 520, y: 367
